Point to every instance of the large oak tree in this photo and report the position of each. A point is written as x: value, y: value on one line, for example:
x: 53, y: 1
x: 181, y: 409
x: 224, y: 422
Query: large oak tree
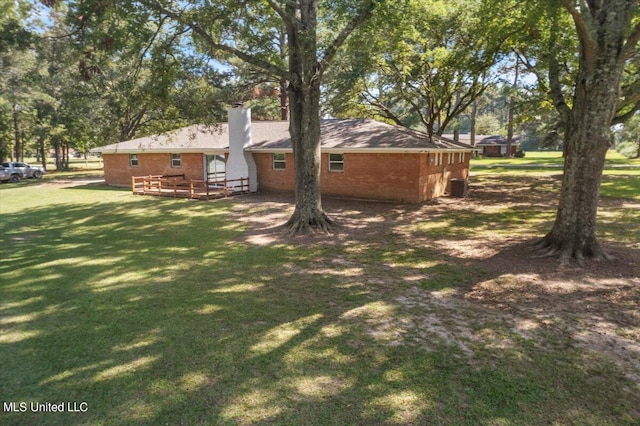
x: 608, y: 34
x: 236, y: 29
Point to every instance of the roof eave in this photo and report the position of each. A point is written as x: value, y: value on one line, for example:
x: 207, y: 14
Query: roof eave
x: 160, y: 151
x: 339, y: 150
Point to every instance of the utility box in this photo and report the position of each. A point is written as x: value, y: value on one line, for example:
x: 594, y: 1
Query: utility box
x: 458, y: 188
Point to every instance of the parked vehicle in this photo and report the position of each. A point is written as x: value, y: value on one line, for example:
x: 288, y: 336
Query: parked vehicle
x: 7, y: 176
x: 24, y: 170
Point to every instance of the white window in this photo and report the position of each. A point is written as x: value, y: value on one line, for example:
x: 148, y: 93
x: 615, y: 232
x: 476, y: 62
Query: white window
x: 438, y: 158
x: 450, y: 158
x: 279, y: 162
x: 336, y: 162
x: 176, y: 161
x: 461, y: 157
x: 133, y: 160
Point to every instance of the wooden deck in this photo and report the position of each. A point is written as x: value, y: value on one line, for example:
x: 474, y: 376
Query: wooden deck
x: 177, y: 186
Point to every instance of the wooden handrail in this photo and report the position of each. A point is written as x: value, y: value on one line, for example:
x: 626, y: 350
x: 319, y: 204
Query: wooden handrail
x: 192, y: 188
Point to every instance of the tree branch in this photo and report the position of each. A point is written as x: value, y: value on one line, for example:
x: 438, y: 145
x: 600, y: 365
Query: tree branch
x: 215, y: 45
x: 635, y: 107
x: 555, y: 87
x: 286, y: 17
x: 332, y: 50
x: 385, y: 112
x: 582, y: 18
x: 632, y: 41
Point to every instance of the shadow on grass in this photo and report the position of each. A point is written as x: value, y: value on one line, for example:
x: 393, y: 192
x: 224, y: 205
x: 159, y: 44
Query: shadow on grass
x: 157, y: 311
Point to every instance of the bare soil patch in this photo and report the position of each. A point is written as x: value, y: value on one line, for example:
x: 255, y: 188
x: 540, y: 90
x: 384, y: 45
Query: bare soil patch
x: 595, y: 308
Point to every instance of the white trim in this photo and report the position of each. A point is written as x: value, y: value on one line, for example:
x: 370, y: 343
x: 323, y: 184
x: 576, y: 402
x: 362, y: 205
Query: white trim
x: 335, y: 162
x: 137, y: 160
x: 282, y: 161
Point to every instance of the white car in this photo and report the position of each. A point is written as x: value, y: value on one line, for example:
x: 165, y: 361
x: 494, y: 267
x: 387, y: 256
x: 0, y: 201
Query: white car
x: 7, y: 176
x: 24, y: 170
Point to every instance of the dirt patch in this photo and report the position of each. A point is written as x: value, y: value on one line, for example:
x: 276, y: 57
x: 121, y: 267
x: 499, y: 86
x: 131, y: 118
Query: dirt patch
x: 595, y: 307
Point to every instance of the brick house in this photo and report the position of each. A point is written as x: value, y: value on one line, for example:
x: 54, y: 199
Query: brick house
x: 361, y: 158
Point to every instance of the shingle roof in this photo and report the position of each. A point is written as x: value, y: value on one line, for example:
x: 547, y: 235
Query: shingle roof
x: 196, y: 138
x: 497, y: 140
x: 366, y: 134
x: 485, y: 140
x: 335, y: 134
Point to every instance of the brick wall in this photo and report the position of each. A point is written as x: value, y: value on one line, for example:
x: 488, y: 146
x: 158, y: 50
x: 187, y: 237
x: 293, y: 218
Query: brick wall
x: 270, y: 180
x: 381, y: 176
x: 411, y: 178
x: 497, y: 151
x: 436, y: 178
x: 117, y: 170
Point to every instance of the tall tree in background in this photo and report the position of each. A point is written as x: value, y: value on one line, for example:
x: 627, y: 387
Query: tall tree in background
x: 608, y: 34
x: 136, y: 61
x: 16, y: 58
x: 421, y: 64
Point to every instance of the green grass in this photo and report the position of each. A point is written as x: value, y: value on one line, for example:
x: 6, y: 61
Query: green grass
x: 545, y: 160
x: 156, y: 311
x: 621, y: 176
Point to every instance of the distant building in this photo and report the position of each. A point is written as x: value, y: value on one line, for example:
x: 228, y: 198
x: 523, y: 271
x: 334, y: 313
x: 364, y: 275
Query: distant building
x: 491, y: 145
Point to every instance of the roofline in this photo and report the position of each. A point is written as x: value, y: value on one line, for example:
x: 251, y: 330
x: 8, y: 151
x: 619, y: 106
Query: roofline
x: 333, y: 150
x: 161, y: 151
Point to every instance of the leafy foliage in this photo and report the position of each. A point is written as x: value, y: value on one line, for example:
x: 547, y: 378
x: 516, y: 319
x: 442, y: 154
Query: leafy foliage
x: 420, y: 64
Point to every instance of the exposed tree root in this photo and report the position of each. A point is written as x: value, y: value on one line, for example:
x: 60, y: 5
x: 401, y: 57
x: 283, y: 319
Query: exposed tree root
x: 568, y: 253
x: 304, y: 224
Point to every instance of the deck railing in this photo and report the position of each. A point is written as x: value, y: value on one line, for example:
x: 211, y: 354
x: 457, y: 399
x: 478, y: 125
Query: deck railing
x: 178, y: 186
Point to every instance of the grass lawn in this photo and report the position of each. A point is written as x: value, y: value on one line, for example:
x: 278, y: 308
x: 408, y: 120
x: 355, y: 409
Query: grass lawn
x: 546, y: 159
x: 161, y: 311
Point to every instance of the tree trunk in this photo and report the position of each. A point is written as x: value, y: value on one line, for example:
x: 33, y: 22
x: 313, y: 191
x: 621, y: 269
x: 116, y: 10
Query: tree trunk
x: 597, y: 91
x: 284, y: 100
x: 304, y: 123
x: 512, y: 107
x: 305, y: 135
x: 58, y: 154
x: 17, y: 147
x: 41, y: 152
x: 573, y: 235
x: 472, y: 119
